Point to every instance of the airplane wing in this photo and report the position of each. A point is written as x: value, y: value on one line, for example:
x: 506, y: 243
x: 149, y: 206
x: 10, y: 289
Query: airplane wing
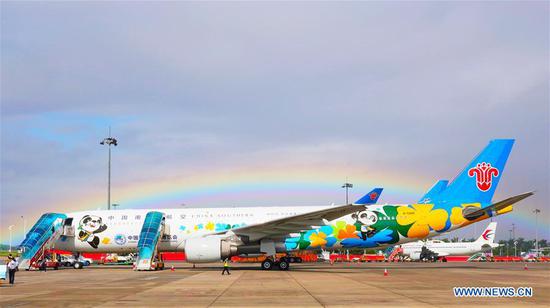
x: 282, y: 227
x: 279, y: 228
x: 499, y: 205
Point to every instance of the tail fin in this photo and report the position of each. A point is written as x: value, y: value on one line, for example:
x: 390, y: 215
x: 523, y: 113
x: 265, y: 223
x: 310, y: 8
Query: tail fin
x: 370, y: 198
x: 478, y: 181
x: 436, y: 189
x: 488, y: 235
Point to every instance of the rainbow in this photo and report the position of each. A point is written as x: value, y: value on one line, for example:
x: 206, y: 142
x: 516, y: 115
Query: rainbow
x: 259, y: 186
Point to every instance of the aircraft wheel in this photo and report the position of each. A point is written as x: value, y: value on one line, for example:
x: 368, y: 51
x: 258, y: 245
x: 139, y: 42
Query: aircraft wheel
x: 283, y: 265
x: 444, y: 260
x: 267, y: 265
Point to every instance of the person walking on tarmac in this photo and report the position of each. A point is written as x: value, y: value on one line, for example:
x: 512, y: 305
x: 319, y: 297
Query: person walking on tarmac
x: 226, y: 267
x: 12, y: 268
x: 43, y: 264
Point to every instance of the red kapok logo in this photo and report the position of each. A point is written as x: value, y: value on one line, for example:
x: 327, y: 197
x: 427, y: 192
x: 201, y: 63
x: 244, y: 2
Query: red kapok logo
x: 373, y: 196
x: 484, y: 174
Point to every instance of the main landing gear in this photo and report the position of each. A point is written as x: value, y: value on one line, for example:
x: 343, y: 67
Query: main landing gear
x: 282, y: 263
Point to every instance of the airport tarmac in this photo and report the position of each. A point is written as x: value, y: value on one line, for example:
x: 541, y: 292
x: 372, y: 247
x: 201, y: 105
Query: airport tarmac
x: 308, y: 284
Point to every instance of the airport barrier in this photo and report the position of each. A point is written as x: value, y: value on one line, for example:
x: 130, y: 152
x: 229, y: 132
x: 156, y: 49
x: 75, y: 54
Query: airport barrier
x: 173, y: 256
x: 357, y: 258
x: 309, y: 257
x: 305, y: 256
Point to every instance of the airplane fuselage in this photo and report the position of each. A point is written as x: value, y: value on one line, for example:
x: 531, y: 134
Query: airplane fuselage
x: 372, y: 226
x: 446, y: 249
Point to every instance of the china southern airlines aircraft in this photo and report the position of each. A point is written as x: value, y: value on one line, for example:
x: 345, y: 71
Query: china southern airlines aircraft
x: 212, y: 234
x: 484, y: 243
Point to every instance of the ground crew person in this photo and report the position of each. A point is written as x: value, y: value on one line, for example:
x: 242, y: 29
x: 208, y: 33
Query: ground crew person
x: 12, y: 268
x: 226, y: 267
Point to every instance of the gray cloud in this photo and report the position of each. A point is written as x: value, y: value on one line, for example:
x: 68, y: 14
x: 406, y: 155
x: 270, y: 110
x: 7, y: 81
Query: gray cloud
x: 416, y: 88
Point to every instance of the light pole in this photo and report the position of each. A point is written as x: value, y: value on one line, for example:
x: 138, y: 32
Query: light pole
x: 509, y: 243
x: 514, y: 238
x: 537, y: 211
x: 347, y: 186
x: 109, y: 141
x: 24, y: 226
x: 10, y: 228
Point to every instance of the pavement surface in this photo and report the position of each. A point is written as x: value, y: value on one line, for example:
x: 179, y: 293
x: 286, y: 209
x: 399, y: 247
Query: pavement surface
x: 305, y: 285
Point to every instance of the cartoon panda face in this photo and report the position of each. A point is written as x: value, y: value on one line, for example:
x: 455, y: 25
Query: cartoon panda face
x: 366, y: 218
x: 90, y: 223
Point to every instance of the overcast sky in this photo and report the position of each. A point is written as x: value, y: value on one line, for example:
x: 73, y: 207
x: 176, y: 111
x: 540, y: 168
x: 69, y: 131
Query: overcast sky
x: 278, y: 101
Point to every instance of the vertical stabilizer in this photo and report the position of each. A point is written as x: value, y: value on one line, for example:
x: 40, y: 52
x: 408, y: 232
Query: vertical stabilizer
x: 478, y: 181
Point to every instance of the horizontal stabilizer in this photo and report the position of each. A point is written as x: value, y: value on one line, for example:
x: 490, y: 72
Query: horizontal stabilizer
x: 498, y: 206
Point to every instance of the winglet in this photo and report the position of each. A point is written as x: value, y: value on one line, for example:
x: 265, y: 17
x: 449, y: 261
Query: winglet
x: 370, y: 198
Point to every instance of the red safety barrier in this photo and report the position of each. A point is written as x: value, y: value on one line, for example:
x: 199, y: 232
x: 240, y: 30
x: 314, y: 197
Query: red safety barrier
x: 173, y: 256
x: 456, y: 258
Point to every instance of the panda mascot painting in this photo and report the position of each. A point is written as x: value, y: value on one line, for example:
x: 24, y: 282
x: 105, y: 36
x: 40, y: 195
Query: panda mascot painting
x: 363, y: 223
x: 89, y: 226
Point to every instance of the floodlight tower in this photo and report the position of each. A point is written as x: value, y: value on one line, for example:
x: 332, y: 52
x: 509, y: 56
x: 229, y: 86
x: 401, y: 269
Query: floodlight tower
x: 536, y: 211
x: 347, y: 186
x: 10, y: 228
x: 109, y: 141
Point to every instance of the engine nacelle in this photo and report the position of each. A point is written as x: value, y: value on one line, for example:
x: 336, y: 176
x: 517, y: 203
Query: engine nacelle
x: 414, y: 255
x: 208, y: 249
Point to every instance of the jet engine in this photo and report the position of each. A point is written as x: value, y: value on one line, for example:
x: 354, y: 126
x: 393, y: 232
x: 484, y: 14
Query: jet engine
x: 415, y: 255
x: 208, y: 249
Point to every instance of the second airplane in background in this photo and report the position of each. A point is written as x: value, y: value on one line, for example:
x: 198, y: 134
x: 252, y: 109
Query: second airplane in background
x: 434, y: 249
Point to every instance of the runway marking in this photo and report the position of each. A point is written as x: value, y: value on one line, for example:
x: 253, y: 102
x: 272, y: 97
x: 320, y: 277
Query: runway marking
x: 305, y: 289
x: 388, y: 290
x: 223, y: 292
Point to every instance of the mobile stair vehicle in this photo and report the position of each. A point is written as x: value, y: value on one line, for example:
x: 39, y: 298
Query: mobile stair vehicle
x: 41, y: 237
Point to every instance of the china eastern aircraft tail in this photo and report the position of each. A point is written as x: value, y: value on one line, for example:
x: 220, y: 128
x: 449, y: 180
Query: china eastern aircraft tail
x: 478, y: 181
x: 488, y: 235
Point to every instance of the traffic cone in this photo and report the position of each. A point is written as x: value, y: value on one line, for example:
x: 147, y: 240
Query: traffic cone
x: 525, y: 267
x: 386, y: 272
x: 172, y: 269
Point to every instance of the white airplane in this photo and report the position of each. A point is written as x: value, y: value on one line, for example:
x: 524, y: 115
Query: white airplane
x: 438, y: 248
x: 205, y: 234
x: 213, y: 234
